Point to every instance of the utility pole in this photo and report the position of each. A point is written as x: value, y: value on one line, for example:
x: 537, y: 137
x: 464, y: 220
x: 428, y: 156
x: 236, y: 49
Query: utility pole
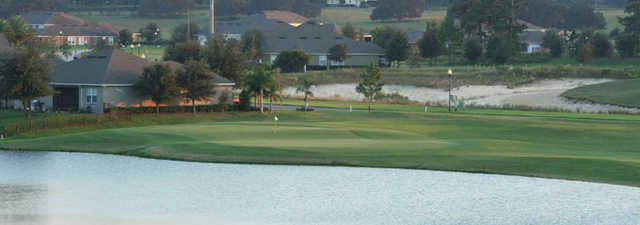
x: 213, y: 17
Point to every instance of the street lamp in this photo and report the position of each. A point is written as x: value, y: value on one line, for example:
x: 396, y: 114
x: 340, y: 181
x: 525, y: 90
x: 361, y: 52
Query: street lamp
x: 450, y: 73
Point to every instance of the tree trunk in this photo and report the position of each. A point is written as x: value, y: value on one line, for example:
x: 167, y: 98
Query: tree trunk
x: 193, y: 104
x: 261, y: 100
x: 26, y: 106
x: 306, y: 103
x: 157, y: 109
x: 271, y: 104
x: 370, y: 104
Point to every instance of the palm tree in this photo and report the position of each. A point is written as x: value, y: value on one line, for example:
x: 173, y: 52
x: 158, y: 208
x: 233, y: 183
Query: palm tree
x: 16, y: 31
x: 274, y: 89
x: 257, y: 82
x: 304, y: 86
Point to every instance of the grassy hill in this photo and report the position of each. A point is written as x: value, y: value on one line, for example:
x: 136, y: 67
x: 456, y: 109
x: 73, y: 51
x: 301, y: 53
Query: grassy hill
x: 623, y: 93
x: 544, y: 145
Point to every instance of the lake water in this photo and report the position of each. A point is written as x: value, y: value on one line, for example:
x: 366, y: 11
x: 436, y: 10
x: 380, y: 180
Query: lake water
x: 65, y: 188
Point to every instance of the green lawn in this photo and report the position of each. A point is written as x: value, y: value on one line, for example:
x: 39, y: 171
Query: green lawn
x: 360, y: 18
x: 151, y: 52
x: 611, y: 16
x: 554, y: 146
x: 622, y: 93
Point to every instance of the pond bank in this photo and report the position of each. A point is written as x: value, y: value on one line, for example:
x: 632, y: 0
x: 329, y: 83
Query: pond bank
x: 70, y: 189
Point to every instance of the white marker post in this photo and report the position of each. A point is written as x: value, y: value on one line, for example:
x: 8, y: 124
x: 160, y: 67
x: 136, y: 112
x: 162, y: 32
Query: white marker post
x: 275, y: 120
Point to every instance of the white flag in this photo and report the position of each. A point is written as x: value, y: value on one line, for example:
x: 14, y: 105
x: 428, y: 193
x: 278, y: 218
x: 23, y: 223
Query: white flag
x: 276, y: 118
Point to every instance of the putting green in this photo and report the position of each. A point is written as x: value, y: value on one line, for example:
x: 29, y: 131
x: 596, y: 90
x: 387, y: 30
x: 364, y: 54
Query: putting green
x: 543, y: 146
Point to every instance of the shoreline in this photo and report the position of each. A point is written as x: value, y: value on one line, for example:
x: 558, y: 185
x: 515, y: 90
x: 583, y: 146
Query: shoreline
x: 338, y: 165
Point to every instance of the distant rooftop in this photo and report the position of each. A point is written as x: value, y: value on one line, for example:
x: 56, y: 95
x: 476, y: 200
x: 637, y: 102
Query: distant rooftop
x: 285, y: 16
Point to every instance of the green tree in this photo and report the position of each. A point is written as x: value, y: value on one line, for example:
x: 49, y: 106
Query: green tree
x: 499, y: 49
x: 183, y: 52
x: 27, y: 76
x: 257, y: 81
x: 151, y: 33
x: 337, y: 53
x: 125, y: 37
x: 370, y: 84
x: 15, y: 30
x: 430, y: 44
x: 472, y: 50
x: 627, y: 45
x: 631, y: 22
x: 196, y: 82
x: 394, y: 41
x: 554, y: 43
x: 252, y: 43
x: 584, y: 51
x: 180, y: 35
x: 291, y: 61
x: 601, y: 46
x: 304, y: 86
x: 274, y: 88
x: 158, y: 82
x: 350, y: 31
x: 414, y: 58
x: 226, y: 58
x: 450, y: 36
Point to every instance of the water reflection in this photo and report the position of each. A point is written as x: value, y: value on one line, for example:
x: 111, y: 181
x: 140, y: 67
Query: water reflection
x: 63, y: 188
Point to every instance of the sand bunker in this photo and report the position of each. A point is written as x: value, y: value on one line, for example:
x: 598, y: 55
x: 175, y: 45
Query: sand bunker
x: 542, y: 94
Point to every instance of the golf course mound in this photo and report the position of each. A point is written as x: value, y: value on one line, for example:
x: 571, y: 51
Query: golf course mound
x: 625, y: 93
x: 553, y: 145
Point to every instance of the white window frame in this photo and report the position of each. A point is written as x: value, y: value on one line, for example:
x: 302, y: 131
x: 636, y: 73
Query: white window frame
x: 323, y: 60
x: 92, y: 96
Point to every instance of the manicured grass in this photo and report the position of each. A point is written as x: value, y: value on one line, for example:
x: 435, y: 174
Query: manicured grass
x: 611, y: 16
x: 360, y: 18
x: 133, y: 22
x: 151, y: 52
x: 11, y: 117
x: 623, y: 93
x: 556, y: 147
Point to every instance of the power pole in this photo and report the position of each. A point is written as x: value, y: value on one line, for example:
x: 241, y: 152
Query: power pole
x: 188, y: 34
x: 213, y: 17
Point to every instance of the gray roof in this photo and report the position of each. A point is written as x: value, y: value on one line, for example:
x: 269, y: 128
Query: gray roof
x: 51, y: 18
x: 4, y: 44
x: 253, y: 22
x: 313, y: 39
x: 106, y: 67
x: 109, y: 67
x: 532, y: 37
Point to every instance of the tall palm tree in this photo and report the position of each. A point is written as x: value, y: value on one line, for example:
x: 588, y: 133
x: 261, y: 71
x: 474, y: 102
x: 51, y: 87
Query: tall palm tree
x: 257, y: 82
x: 274, y: 89
x: 304, y: 86
x: 16, y: 31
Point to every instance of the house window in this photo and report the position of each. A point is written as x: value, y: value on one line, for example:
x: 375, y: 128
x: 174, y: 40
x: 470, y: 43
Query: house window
x: 337, y: 63
x: 323, y: 60
x: 92, y: 96
x: 273, y: 59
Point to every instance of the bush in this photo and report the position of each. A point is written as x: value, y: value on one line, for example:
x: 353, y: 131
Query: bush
x: 601, y: 46
x: 554, y: 43
x: 291, y: 61
x: 176, y: 109
x: 627, y: 45
x: 472, y: 50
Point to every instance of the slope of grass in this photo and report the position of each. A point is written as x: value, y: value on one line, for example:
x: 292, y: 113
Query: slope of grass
x: 556, y: 147
x: 623, y: 93
x: 360, y: 18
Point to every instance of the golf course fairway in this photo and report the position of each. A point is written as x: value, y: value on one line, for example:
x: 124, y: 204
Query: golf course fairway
x: 596, y: 150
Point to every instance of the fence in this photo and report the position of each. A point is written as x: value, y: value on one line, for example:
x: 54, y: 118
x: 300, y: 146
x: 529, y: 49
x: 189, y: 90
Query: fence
x: 61, y: 122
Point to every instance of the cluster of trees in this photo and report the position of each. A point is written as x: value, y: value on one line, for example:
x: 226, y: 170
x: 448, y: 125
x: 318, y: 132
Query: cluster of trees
x: 567, y: 15
x: 25, y: 75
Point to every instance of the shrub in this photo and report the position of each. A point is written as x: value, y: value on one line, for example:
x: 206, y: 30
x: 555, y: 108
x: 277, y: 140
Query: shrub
x: 601, y: 46
x: 472, y: 50
x: 291, y: 61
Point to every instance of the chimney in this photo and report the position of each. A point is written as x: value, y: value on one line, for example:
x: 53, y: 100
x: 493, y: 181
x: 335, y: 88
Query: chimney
x: 213, y: 17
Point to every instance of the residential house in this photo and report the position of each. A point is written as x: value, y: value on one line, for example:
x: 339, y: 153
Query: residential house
x: 57, y: 28
x: 105, y: 80
x: 349, y: 3
x: 235, y: 29
x: 316, y: 44
x: 532, y: 37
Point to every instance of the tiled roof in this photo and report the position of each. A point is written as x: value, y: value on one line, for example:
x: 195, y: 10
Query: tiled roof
x: 532, y: 37
x: 77, y: 30
x: 253, y: 22
x: 62, y: 24
x: 414, y: 36
x: 285, y: 16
